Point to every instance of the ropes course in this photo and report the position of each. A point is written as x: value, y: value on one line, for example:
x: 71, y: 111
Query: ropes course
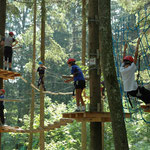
x: 127, y: 30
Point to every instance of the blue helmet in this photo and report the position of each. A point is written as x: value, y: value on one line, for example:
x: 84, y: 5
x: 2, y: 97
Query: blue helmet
x: 40, y: 63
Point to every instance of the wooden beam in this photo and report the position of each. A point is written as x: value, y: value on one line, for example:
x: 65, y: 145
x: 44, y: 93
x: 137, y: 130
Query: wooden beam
x: 11, y: 100
x: 5, y: 74
x: 91, y: 116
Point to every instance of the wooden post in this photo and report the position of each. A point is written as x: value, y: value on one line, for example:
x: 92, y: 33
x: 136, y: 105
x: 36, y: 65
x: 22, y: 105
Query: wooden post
x: 33, y: 80
x: 84, y: 135
x: 94, y: 73
x: 2, y: 34
x: 43, y: 14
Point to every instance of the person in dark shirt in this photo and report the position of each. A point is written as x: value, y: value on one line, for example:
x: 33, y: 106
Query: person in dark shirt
x: 2, y: 120
x: 8, y: 44
x: 41, y: 71
x: 79, y: 83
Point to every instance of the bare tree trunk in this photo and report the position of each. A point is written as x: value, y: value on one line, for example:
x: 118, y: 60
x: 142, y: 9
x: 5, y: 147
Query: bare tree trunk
x: 94, y: 73
x: 111, y: 83
x: 33, y: 79
x: 2, y: 34
x: 83, y: 31
x: 43, y: 11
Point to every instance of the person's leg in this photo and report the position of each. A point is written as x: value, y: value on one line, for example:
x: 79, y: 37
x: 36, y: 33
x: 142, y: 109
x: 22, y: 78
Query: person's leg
x: 5, y: 64
x: 78, y: 99
x: 81, y: 99
x: 5, y: 56
x: 10, y: 59
x: 42, y: 81
x: 145, y: 95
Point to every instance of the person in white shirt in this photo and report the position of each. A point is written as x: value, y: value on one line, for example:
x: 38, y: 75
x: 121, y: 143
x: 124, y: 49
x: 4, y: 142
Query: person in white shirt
x: 128, y: 69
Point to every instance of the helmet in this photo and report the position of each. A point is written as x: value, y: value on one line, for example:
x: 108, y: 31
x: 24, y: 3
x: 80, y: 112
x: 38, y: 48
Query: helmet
x: 129, y: 58
x: 2, y: 90
x: 11, y: 33
x: 70, y: 60
x: 40, y: 63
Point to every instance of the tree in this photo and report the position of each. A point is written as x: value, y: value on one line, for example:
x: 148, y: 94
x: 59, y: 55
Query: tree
x: 33, y: 79
x: 43, y: 14
x: 94, y: 74
x: 111, y: 83
x: 2, y: 34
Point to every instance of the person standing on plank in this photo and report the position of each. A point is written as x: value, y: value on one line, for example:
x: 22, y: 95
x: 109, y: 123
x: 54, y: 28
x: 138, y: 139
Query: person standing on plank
x: 8, y: 43
x: 79, y: 83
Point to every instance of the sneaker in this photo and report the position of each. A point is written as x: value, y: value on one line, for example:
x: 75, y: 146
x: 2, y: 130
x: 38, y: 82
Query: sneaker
x: 83, y: 110
x: 77, y: 110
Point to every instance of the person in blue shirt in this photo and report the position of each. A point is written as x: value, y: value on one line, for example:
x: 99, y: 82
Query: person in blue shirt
x: 2, y: 120
x: 79, y: 83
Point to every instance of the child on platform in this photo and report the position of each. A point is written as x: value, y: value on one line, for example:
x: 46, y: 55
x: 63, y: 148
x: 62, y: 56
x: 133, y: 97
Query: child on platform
x: 79, y: 83
x: 2, y: 120
x: 41, y: 70
x: 128, y: 69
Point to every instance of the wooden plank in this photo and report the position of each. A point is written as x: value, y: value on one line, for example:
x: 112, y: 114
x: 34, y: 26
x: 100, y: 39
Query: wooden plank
x: 11, y: 100
x: 5, y: 74
x: 83, y: 135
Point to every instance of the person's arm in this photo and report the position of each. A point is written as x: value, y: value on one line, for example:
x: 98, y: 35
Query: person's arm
x: 69, y: 80
x: 124, y: 52
x: 136, y: 51
x: 2, y: 43
x: 15, y: 43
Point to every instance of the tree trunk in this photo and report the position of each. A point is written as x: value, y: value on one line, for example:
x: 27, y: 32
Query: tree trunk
x: 83, y: 31
x: 111, y: 83
x: 43, y: 60
x: 94, y: 74
x: 2, y: 34
x: 33, y: 79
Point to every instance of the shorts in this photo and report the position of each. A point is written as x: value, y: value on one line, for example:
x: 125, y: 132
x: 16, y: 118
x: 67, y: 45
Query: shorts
x: 8, y: 53
x: 79, y: 84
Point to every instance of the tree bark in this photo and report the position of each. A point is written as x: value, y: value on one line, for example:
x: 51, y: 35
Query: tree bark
x: 43, y: 60
x: 83, y: 31
x: 33, y: 79
x: 111, y: 83
x: 2, y: 34
x: 94, y: 74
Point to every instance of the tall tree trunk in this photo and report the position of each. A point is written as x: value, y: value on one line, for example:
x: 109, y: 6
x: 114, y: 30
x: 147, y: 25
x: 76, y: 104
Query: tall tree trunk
x: 94, y: 73
x: 43, y: 11
x: 2, y: 34
x: 33, y: 79
x: 111, y: 83
x: 83, y: 31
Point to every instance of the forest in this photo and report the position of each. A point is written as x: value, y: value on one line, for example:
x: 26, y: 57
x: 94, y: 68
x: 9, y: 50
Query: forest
x: 63, y: 24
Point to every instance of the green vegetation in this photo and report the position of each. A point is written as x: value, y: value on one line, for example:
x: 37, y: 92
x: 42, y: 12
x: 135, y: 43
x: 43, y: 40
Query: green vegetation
x: 63, y: 40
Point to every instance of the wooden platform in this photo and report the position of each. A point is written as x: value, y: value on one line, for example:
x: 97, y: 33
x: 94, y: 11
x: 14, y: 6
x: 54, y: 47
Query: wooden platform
x: 11, y: 100
x: 11, y: 129
x: 5, y: 74
x: 91, y: 116
x: 146, y: 108
x: 58, y: 124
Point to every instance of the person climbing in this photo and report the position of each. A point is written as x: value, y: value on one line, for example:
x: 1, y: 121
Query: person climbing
x: 8, y: 52
x: 2, y: 120
x: 128, y: 69
x: 41, y: 70
x: 79, y: 83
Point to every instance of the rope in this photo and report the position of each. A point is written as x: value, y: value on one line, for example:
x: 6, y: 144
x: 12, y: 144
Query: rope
x: 125, y: 31
x: 46, y: 92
